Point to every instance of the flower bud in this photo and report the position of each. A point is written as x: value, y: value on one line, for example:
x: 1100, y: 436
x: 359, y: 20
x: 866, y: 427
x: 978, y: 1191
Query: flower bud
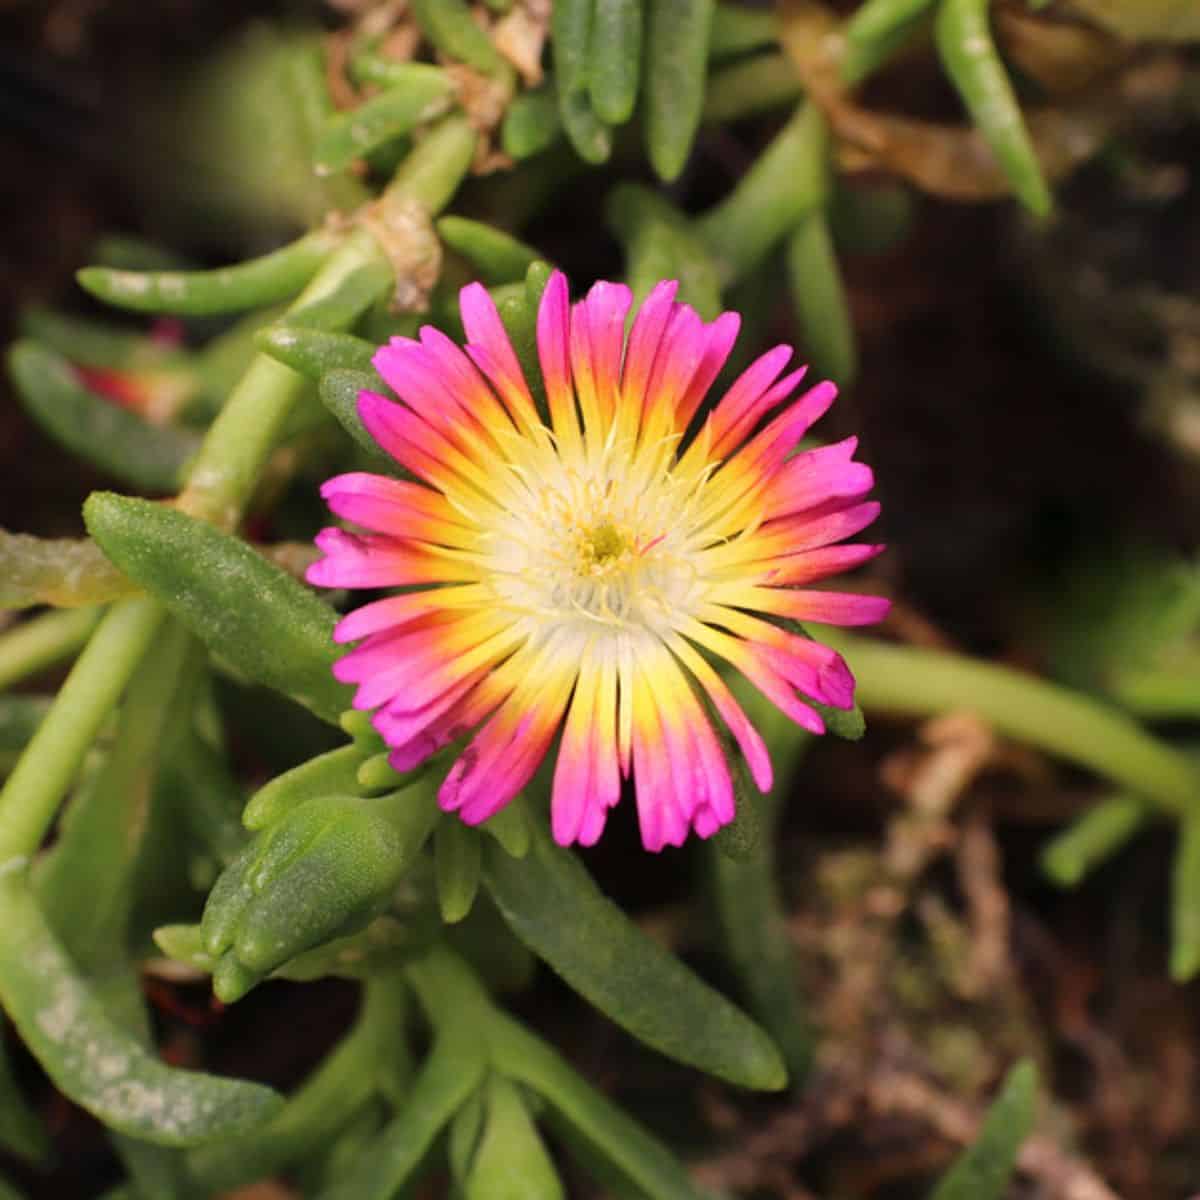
x: 323, y: 871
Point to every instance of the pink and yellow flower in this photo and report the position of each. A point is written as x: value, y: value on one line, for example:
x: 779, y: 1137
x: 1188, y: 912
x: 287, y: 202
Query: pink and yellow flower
x: 584, y: 572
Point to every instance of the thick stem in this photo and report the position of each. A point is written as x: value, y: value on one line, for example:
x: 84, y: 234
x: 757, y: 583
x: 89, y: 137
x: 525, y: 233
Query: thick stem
x: 238, y: 442
x: 221, y: 482
x: 43, y: 641
x: 908, y: 679
x: 45, y: 770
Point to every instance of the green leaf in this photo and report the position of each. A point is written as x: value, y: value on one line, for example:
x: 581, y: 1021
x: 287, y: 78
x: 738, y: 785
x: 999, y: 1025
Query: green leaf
x: 459, y: 854
x: 788, y: 179
x: 872, y: 218
x: 554, y: 906
x: 339, y: 391
x: 531, y: 123
x: 660, y: 243
x: 463, y: 1138
x: 1185, y: 899
x: 97, y: 429
x: 210, y: 799
x: 738, y: 29
x: 964, y: 42
x: 268, y: 280
x: 331, y: 774
x: 751, y: 86
x: 983, y: 1170
x: 497, y: 256
x: 875, y: 31
x: 8, y: 1192
x: 510, y: 1161
x: 450, y: 27
x: 19, y: 718
x: 740, y: 840
x: 92, y: 344
x: 609, y: 1135
x: 153, y: 1170
x: 85, y: 882
x: 431, y: 173
x: 754, y: 933
x: 1094, y: 837
x: 819, y: 299
x: 848, y: 723
x: 93, y: 1060
x: 416, y: 92
x: 571, y: 36
x: 242, y: 607
x: 446, y: 1080
x: 45, y: 640
x: 615, y: 59
x: 510, y: 827
x: 325, y: 870
x: 677, y: 33
x: 518, y: 311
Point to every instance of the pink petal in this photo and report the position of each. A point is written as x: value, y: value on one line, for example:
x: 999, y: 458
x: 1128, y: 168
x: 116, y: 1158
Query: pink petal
x: 645, y: 337
x: 721, y: 334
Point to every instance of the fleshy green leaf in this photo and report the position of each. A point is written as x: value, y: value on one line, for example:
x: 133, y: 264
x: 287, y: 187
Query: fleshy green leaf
x: 268, y: 280
x: 459, y: 858
x: 452, y: 1072
x: 497, y: 256
x: 1099, y: 833
x: 93, y: 1060
x: 659, y: 244
x: 510, y: 1160
x: 677, y: 34
x: 983, y: 1170
x: 554, y: 906
x: 964, y: 41
x: 242, y: 607
x: 96, y: 428
x: 339, y: 390
x: 819, y: 299
x: 611, y: 1137
x: 789, y: 179
x: 1185, y: 899
x: 532, y: 123
x: 416, y: 92
x: 332, y: 774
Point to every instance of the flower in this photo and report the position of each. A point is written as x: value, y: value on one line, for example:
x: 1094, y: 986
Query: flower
x: 584, y: 572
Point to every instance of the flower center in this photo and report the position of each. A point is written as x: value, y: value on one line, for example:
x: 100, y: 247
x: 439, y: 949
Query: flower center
x: 602, y: 550
x: 593, y: 553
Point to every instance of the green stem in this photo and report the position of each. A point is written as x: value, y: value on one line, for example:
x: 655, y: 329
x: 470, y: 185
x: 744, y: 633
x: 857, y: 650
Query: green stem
x: 86, y: 880
x: 41, y: 777
x: 221, y: 482
x: 238, y: 442
x: 1161, y: 695
x: 909, y: 679
x: 43, y: 641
